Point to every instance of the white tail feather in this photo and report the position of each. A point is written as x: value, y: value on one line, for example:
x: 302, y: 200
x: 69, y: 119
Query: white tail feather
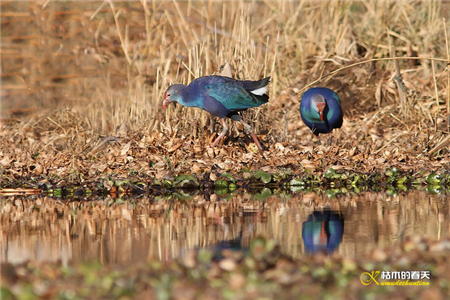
x: 259, y: 91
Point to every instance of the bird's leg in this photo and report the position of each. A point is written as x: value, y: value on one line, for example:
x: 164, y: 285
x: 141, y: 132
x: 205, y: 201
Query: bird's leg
x: 330, y: 139
x: 212, y: 122
x: 222, y: 134
x: 318, y: 140
x: 252, y: 134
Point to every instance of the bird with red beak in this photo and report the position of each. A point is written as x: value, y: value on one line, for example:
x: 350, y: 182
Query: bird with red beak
x: 221, y: 96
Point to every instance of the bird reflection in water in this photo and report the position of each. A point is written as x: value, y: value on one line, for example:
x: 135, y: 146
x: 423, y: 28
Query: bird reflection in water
x: 323, y: 231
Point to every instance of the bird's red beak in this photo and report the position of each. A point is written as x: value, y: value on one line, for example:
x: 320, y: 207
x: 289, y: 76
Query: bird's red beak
x: 321, y: 108
x: 166, y: 101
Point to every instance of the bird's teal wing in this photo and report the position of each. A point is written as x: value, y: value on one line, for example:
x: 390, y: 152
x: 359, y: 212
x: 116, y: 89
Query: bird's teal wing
x: 336, y: 97
x: 232, y: 96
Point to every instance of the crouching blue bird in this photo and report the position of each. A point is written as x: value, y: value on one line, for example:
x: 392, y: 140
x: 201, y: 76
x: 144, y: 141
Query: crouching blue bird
x: 321, y: 110
x: 222, y: 97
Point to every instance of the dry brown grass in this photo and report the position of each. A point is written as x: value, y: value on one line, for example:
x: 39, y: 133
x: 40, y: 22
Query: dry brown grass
x: 76, y: 71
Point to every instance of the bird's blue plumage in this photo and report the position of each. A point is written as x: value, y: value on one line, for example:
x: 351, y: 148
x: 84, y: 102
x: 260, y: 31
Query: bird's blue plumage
x: 221, y: 96
x: 332, y: 113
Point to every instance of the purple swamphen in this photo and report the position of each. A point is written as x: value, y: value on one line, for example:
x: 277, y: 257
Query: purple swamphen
x: 221, y: 96
x: 321, y: 110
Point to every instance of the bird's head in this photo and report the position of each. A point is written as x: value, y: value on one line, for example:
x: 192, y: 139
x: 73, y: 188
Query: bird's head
x: 173, y: 94
x: 319, y: 104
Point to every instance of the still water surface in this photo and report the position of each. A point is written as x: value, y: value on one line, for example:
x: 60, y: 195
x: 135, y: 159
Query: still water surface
x: 118, y: 232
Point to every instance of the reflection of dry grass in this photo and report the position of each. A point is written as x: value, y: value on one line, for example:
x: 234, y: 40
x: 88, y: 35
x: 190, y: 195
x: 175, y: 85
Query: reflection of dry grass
x: 105, y: 67
x: 45, y: 229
